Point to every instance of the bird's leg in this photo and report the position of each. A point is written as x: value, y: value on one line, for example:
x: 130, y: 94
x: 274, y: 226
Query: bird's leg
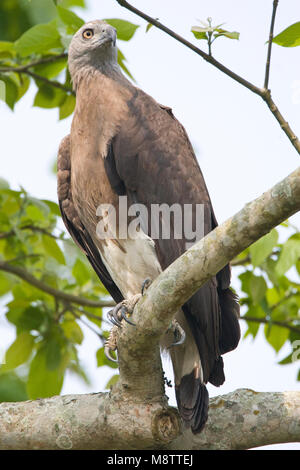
x: 178, y: 332
x: 121, y: 312
x: 111, y: 343
x: 146, y: 283
x: 125, y: 308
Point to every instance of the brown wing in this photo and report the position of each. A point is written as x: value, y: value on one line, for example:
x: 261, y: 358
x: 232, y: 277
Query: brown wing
x: 151, y: 157
x: 72, y: 222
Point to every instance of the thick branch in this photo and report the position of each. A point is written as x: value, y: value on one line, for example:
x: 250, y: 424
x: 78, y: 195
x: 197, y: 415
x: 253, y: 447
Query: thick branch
x: 187, y: 274
x: 262, y: 92
x: 58, y: 294
x: 238, y: 420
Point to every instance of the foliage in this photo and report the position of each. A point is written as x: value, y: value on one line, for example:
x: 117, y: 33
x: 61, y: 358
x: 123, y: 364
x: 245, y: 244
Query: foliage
x: 290, y: 37
x: 46, y: 284
x: 47, y: 327
x: 210, y: 33
x: 39, y: 53
x: 271, y: 290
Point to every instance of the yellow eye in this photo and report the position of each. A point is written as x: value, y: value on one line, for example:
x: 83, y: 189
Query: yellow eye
x: 88, y: 34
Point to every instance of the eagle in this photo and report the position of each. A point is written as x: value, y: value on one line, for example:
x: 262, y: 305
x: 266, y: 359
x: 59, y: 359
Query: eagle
x: 123, y: 143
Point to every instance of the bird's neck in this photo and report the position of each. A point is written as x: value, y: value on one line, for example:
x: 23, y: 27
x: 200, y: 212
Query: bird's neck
x: 93, y: 72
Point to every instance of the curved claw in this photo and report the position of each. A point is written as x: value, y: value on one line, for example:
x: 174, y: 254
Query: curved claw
x: 180, y: 331
x: 123, y: 314
x: 112, y: 316
x: 145, y: 285
x: 107, y: 353
x: 182, y: 338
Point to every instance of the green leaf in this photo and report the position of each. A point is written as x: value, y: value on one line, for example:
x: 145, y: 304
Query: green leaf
x: 254, y: 311
x: 20, y: 350
x: 276, y: 336
x: 52, y: 248
x: 3, y: 184
x: 7, y: 49
x: 70, y: 19
x: 12, y: 388
x: 52, y: 348
x: 227, y: 34
x: 70, y: 3
x: 286, y: 360
x: 42, y: 381
x: 6, y: 283
x: 11, y: 91
x: 112, y: 381
x: 81, y: 272
x: 49, y: 97
x: 40, y: 38
x: 30, y: 318
x: 121, y: 59
x: 53, y: 206
x: 288, y: 256
x: 72, y: 331
x: 199, y: 34
x: 148, y: 27
x: 125, y: 29
x: 103, y: 361
x: 67, y: 107
x: 51, y: 69
x: 261, y: 249
x: 290, y: 37
x: 258, y: 287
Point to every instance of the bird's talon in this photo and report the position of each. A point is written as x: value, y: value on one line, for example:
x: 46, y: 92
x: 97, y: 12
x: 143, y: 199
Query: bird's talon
x: 178, y: 332
x: 145, y: 285
x: 111, y: 344
x: 107, y: 353
x: 111, y: 317
x: 125, y: 317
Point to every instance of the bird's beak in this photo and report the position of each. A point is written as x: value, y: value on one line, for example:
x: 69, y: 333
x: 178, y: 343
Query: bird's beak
x: 110, y: 36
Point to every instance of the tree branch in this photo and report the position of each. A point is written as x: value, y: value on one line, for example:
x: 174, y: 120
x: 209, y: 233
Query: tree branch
x: 272, y: 322
x: 268, y: 63
x: 171, y: 289
x: 262, y: 92
x: 238, y: 420
x: 58, y: 294
x: 46, y: 60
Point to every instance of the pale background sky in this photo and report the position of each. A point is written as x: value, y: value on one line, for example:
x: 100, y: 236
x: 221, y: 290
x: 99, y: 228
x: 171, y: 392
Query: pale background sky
x: 240, y: 147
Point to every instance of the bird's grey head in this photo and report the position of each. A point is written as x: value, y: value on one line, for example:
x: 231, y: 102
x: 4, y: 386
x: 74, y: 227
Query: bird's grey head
x: 94, y: 45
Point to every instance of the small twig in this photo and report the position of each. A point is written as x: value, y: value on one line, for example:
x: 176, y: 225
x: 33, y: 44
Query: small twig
x: 273, y: 322
x: 262, y: 92
x: 12, y: 233
x: 71, y: 310
x: 26, y: 70
x: 267, y: 73
x: 91, y: 315
x: 28, y: 277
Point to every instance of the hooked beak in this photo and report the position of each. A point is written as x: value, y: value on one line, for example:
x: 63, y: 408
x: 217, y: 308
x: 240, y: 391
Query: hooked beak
x: 110, y: 36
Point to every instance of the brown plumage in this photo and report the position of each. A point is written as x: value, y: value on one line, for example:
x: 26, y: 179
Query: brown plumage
x: 122, y: 142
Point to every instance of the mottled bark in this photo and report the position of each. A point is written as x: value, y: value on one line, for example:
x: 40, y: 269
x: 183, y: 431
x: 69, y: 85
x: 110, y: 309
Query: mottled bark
x: 238, y: 420
x: 140, y: 367
x: 135, y: 415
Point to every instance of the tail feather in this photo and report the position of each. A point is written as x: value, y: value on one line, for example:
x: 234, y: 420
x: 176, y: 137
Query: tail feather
x: 192, y: 400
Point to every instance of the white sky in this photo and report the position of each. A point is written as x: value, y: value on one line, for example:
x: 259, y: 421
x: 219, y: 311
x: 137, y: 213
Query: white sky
x: 240, y: 147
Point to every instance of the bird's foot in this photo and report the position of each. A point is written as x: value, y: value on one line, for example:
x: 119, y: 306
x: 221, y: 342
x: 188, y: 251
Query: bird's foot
x: 111, y: 344
x: 178, y: 332
x: 123, y: 310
